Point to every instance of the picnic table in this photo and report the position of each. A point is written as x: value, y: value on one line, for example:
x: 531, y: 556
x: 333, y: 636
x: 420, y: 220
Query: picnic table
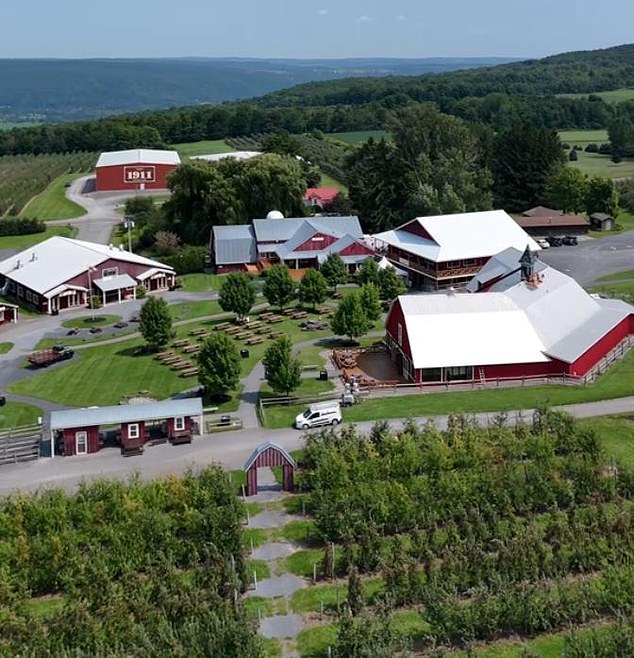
x: 197, y: 332
x: 171, y: 359
x: 244, y: 334
x: 276, y: 318
x: 180, y: 343
x: 182, y: 365
x: 203, y: 336
x: 233, y: 330
x: 222, y: 325
x: 299, y: 315
x: 189, y: 372
x: 190, y: 349
x: 255, y: 341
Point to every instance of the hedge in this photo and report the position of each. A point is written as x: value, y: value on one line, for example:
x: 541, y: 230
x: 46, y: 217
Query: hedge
x: 18, y: 226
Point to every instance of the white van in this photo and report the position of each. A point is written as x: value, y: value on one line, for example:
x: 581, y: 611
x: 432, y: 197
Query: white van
x: 322, y: 413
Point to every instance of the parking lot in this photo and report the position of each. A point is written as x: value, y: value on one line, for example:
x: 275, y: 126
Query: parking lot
x: 593, y: 258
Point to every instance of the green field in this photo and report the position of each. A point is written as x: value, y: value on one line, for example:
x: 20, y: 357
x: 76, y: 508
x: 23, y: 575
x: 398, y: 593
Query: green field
x: 200, y: 282
x: 595, y: 164
x: 329, y: 181
x: 88, y: 321
x: 8, y: 125
x: 5, y: 347
x: 17, y: 414
x: 52, y: 202
x: 614, y: 96
x: 19, y: 242
x: 357, y: 137
x: 208, y: 147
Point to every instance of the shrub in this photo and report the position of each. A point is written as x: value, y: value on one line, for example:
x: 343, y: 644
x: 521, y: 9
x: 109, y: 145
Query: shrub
x: 141, y: 292
x: 188, y: 261
x: 592, y: 148
x: 19, y: 226
x: 605, y: 149
x: 573, y: 157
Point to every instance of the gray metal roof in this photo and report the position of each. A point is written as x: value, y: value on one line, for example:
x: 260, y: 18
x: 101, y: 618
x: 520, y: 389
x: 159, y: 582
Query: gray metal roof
x: 281, y: 230
x: 125, y: 413
x: 234, y: 244
x: 115, y: 282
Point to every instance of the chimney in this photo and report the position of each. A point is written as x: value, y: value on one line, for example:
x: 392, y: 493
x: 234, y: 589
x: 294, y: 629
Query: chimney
x: 527, y: 262
x: 18, y: 264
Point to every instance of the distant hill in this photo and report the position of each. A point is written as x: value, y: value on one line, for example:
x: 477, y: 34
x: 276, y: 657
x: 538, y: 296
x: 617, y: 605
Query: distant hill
x: 62, y: 90
x: 569, y: 73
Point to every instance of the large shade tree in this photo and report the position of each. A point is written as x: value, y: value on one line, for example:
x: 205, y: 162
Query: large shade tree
x: 155, y: 322
x: 279, y: 287
x: 237, y: 294
x: 219, y: 365
x: 350, y: 318
x: 282, y: 370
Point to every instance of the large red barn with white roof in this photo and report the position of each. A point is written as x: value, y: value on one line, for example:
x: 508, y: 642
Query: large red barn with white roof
x: 135, y: 169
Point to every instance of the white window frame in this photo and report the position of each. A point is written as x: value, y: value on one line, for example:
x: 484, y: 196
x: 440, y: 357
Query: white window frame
x: 81, y: 436
x: 109, y: 272
x: 133, y: 431
x: 179, y: 423
x: 400, y: 334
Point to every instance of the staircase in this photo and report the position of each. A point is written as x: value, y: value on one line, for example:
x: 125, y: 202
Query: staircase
x: 20, y: 445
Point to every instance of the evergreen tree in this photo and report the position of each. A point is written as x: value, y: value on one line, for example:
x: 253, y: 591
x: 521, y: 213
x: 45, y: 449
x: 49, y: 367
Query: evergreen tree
x: 237, y: 294
x: 334, y: 269
x: 219, y: 365
x: 279, y: 287
x: 155, y: 322
x: 313, y: 288
x: 350, y: 318
x: 282, y: 370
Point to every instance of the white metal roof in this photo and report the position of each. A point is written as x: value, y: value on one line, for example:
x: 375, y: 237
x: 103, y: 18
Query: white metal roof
x: 126, y: 413
x: 235, y: 155
x: 461, y: 236
x: 138, y: 156
x: 511, y: 323
x: 51, y: 263
x: 468, y: 330
x: 115, y: 282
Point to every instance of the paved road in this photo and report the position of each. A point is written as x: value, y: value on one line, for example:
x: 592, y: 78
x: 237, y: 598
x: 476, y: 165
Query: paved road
x: 592, y: 259
x: 230, y: 449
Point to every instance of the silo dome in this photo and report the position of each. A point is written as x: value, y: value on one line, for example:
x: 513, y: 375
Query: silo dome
x: 275, y: 214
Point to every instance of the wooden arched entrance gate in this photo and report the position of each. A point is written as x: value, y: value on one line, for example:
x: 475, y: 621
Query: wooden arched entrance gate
x: 269, y: 454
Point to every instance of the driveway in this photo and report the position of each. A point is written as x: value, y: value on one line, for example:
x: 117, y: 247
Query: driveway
x: 592, y: 259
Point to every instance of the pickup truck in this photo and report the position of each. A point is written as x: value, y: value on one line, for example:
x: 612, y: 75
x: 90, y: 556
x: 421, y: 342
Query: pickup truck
x: 44, y: 358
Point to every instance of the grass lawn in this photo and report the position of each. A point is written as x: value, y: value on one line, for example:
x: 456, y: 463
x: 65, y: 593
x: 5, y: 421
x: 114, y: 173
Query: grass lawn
x: 20, y: 242
x: 329, y: 181
x: 46, y: 605
x: 87, y: 321
x: 272, y: 648
x: 190, y: 310
x: 52, y: 202
x: 357, y: 137
x: 301, y: 563
x: 595, y: 164
x: 200, y: 282
x: 583, y: 137
x: 86, y: 339
x: 617, y: 383
x: 314, y: 642
x: 613, y: 96
x: 617, y: 436
x: 103, y: 375
x: 307, y: 387
x: 17, y: 414
x: 5, y: 347
x: 208, y: 147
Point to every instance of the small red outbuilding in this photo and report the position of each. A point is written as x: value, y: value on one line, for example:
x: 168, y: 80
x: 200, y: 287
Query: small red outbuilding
x: 136, y: 169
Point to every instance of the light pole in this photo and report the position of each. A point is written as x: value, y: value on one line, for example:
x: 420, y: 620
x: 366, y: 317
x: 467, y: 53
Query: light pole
x: 90, y: 304
x: 129, y: 224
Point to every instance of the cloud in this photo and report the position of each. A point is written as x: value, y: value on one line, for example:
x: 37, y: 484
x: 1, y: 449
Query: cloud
x: 363, y: 19
x: 322, y: 12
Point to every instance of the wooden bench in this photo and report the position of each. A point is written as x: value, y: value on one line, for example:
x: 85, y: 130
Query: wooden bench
x: 255, y: 341
x: 171, y: 360
x: 191, y: 349
x: 203, y: 336
x: 276, y: 319
x: 183, y: 365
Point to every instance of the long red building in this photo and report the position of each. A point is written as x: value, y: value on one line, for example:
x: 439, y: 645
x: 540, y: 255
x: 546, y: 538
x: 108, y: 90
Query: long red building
x: 136, y: 169
x: 520, y: 319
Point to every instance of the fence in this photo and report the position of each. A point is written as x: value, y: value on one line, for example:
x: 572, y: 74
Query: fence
x: 291, y: 401
x: 21, y: 444
x: 226, y: 424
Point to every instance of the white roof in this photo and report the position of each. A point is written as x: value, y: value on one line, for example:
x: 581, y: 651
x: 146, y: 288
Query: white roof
x: 138, y: 156
x: 235, y: 155
x: 460, y: 236
x: 115, y: 282
x: 55, y: 261
x: 511, y: 323
x: 468, y: 330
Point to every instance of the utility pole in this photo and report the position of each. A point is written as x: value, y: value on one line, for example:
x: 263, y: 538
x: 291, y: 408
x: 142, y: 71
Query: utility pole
x: 129, y: 224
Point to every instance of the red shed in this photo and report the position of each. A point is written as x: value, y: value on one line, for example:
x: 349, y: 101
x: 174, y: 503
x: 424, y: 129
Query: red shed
x: 137, y: 169
x: 79, y: 431
x: 267, y: 455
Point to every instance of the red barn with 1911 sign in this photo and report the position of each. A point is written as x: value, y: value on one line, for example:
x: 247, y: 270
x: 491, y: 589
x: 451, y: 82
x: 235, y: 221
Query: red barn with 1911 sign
x: 137, y: 169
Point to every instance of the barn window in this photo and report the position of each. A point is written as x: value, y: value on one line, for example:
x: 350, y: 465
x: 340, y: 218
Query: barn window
x: 81, y: 443
x: 458, y: 374
x: 109, y: 271
x: 133, y: 431
x: 179, y: 423
x: 400, y: 333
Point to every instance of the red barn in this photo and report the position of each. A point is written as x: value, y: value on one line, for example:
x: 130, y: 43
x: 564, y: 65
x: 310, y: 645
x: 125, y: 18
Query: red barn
x: 522, y: 319
x: 320, y: 197
x: 137, y: 169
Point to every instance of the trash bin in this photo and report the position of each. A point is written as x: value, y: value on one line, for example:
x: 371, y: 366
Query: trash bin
x: 244, y: 354
x: 323, y: 375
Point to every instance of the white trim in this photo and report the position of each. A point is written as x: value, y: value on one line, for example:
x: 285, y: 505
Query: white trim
x: 179, y: 423
x: 81, y: 436
x: 133, y: 431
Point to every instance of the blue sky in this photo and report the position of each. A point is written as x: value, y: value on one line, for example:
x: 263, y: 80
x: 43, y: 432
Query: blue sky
x: 310, y: 28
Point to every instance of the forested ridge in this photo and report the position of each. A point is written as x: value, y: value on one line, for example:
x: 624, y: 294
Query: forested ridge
x: 498, y: 96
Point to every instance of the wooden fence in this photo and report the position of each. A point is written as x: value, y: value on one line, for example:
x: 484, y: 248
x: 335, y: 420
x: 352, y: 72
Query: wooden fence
x: 21, y: 444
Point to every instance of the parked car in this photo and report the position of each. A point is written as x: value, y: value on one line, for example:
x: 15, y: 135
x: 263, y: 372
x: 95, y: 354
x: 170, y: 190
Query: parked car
x: 317, y: 415
x: 543, y: 243
x: 571, y: 240
x: 554, y: 241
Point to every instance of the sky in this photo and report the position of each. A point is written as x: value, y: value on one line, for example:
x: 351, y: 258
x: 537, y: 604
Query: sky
x: 311, y: 28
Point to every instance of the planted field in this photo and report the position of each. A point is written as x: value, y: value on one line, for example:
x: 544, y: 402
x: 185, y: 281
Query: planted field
x: 152, y: 569
x: 468, y: 539
x: 208, y: 147
x: 17, y: 414
x: 358, y: 137
x: 614, y: 96
x: 23, y: 177
x: 52, y: 202
x: 19, y: 242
